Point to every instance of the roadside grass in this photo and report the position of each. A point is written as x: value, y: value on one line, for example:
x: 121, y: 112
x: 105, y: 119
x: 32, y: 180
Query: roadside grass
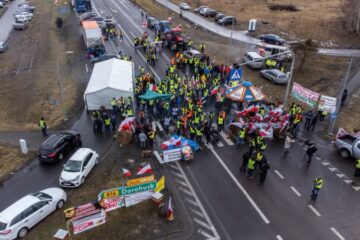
x: 141, y: 221
x: 319, y: 73
x: 11, y: 158
x: 28, y: 71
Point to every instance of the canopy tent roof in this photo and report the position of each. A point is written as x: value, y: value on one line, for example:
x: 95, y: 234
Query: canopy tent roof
x: 245, y: 92
x: 151, y: 95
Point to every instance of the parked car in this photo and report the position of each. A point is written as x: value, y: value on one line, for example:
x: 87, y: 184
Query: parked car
x: 253, y: 56
x: 78, y: 167
x: 24, y: 214
x: 184, y: 6
x: 2, y: 4
x: 3, y: 46
x: 274, y: 75
x: 27, y: 8
x: 210, y: 12
x: 219, y: 16
x: 58, y: 145
x: 349, y: 146
x: 197, y: 10
x: 203, y: 10
x: 269, y: 49
x: 86, y: 16
x: 227, y: 20
x: 23, y: 15
x: 20, y: 24
x: 272, y: 39
x: 193, y: 53
x: 152, y: 23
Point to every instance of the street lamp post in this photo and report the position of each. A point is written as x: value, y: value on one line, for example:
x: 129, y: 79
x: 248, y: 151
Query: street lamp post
x: 231, y: 37
x: 290, y: 80
x: 60, y: 83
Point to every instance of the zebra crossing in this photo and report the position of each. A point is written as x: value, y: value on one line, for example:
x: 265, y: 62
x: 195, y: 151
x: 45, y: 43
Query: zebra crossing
x: 225, y: 140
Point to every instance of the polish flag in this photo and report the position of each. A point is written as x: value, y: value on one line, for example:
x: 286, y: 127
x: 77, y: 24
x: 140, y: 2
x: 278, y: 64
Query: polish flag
x: 126, y: 172
x: 170, y: 212
x: 214, y: 91
x: 144, y: 170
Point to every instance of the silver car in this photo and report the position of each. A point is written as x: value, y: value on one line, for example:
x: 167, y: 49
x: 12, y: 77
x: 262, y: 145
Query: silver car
x: 274, y: 75
x: 3, y: 47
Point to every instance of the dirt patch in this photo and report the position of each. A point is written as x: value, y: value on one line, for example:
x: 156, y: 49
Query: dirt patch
x: 283, y: 7
x: 12, y: 159
x: 28, y: 71
x: 141, y: 221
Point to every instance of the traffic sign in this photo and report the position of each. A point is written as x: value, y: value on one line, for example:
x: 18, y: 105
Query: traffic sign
x: 235, y: 74
x: 333, y: 115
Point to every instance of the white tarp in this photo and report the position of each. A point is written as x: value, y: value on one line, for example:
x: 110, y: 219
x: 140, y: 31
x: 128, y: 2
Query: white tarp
x: 109, y: 79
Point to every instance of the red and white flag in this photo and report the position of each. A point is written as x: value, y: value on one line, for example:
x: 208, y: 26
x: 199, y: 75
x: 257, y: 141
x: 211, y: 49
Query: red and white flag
x: 214, y: 91
x: 170, y: 212
x: 126, y: 172
x: 145, y: 170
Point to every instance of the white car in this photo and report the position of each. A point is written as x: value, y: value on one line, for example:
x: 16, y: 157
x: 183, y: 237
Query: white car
x: 203, y: 11
x: 78, y: 167
x: 20, y: 217
x: 184, y: 6
x: 27, y: 16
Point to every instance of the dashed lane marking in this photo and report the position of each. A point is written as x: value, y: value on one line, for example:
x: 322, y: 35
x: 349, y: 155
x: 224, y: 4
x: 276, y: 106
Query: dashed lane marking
x: 340, y: 175
x: 332, y: 169
x: 86, y: 68
x: 219, y: 144
x: 197, y: 212
x: 318, y: 158
x: 348, y: 181
x: 314, y: 210
x: 336, y: 232
x: 166, y: 57
x: 242, y: 189
x: 182, y: 183
x: 279, y: 174
x: 185, y: 191
x: 226, y: 138
x: 191, y: 201
x: 325, y: 163
x: 201, y: 223
x: 295, y: 191
x: 132, y: 34
x: 356, y: 188
x: 278, y: 237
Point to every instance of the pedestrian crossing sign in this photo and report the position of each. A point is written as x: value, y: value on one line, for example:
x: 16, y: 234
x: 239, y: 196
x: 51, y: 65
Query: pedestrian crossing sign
x: 235, y: 74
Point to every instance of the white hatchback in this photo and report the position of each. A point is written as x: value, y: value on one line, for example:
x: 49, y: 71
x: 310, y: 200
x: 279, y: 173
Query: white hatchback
x: 20, y: 217
x: 78, y: 167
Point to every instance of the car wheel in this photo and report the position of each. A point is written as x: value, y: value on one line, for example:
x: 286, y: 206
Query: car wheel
x: 60, y: 204
x: 82, y: 181
x: 61, y: 157
x: 344, y: 153
x: 22, y: 233
x: 97, y: 161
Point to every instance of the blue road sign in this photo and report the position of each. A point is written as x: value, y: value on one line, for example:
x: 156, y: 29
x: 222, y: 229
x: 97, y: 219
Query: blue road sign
x: 235, y: 74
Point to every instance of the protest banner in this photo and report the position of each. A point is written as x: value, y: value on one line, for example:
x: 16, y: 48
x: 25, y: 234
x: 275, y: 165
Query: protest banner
x: 327, y: 104
x: 172, y: 155
x: 305, y: 95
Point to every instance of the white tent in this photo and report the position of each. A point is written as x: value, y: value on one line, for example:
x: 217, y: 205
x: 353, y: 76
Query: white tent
x: 109, y: 79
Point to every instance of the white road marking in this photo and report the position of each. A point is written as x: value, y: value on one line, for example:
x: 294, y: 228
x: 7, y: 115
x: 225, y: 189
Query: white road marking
x: 348, y: 181
x: 340, y: 175
x: 158, y: 157
x: 132, y: 34
x: 356, y: 188
x: 278, y: 237
x: 153, y: 126
x: 325, y: 163
x: 185, y: 191
x: 114, y: 11
x: 337, y: 233
x: 279, y: 174
x: 209, y: 145
x: 226, y: 138
x: 159, y: 126
x: 206, y: 216
x: 181, y: 182
x: 205, y: 234
x: 318, y: 158
x: 314, y: 210
x: 166, y: 57
x: 295, y: 191
x: 197, y: 212
x: 86, y: 68
x: 202, y: 223
x: 219, y: 144
x: 191, y: 201
x: 242, y: 189
x: 332, y: 169
x: 174, y: 166
x: 177, y: 174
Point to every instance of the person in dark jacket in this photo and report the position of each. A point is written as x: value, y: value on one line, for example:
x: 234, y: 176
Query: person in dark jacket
x: 264, y: 167
x: 311, y: 149
x: 245, y: 161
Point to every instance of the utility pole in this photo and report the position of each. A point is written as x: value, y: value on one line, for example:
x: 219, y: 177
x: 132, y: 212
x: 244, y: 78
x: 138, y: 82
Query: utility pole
x: 358, y: 20
x: 338, y: 101
x: 231, y: 38
x: 289, y: 83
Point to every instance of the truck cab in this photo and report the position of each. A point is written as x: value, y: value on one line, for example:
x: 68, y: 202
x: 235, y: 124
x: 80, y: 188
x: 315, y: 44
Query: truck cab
x: 349, y: 146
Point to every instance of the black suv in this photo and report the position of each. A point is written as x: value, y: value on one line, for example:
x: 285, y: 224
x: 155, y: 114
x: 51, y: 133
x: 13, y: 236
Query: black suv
x: 58, y: 145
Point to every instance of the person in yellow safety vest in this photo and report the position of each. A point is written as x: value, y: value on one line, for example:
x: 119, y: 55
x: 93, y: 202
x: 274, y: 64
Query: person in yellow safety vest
x: 234, y: 83
x: 252, y: 144
x: 189, y: 44
x: 196, y: 119
x: 129, y: 112
x: 282, y: 68
x: 156, y: 39
x: 273, y: 64
x: 251, y: 168
x: 151, y: 137
x: 144, y: 46
x: 113, y: 105
x: 241, y: 137
x: 142, y: 70
x: 178, y: 126
x: 42, y: 125
x: 192, y: 132
x: 202, y: 47
x: 190, y: 61
x: 199, y: 134
x: 262, y: 111
x: 107, y: 123
x: 220, y: 122
x: 122, y: 101
x: 263, y: 146
x: 130, y: 101
x: 259, y: 157
x: 259, y: 141
x: 357, y: 168
x: 268, y: 63
x: 318, y: 183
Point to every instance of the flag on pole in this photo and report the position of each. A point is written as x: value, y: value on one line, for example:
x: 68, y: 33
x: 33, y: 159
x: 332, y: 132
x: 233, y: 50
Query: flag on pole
x: 126, y: 172
x: 144, y: 170
x: 160, y: 184
x: 170, y: 212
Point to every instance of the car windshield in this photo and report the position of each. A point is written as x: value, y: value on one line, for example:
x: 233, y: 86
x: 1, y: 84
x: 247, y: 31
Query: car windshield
x: 73, y: 166
x: 41, y: 196
x: 282, y: 76
x: 2, y: 226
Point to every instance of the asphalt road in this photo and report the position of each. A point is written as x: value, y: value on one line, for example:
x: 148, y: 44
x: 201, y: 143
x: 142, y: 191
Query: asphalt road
x: 229, y: 204
x: 7, y: 19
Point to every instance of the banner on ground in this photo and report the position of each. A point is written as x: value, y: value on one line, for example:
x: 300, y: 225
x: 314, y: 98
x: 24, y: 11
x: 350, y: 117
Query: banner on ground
x: 90, y: 222
x: 305, y: 95
x: 138, y: 197
x: 172, y: 155
x: 327, y: 104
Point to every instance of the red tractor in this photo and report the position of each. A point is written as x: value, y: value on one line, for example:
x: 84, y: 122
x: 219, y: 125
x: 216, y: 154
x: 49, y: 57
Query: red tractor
x: 173, y: 39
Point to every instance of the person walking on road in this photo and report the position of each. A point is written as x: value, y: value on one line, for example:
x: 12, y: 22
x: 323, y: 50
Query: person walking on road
x: 251, y: 168
x: 311, y: 149
x: 287, y: 143
x: 245, y: 161
x: 142, y: 140
x: 357, y: 168
x: 264, y: 167
x: 43, y: 127
x: 318, y: 183
x: 107, y: 123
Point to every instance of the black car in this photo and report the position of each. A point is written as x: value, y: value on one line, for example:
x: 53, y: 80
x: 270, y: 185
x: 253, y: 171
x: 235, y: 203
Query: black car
x: 210, y: 13
x: 152, y: 23
x: 219, y: 16
x: 272, y: 39
x: 228, y: 20
x: 58, y: 145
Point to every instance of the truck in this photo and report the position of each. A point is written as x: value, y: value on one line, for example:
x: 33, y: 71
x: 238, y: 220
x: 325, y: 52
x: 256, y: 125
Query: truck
x: 82, y: 5
x: 173, y: 37
x: 348, y: 146
x: 93, y: 39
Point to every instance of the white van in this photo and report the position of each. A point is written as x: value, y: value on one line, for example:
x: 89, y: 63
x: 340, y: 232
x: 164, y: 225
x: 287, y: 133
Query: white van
x: 265, y: 50
x: 253, y: 56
